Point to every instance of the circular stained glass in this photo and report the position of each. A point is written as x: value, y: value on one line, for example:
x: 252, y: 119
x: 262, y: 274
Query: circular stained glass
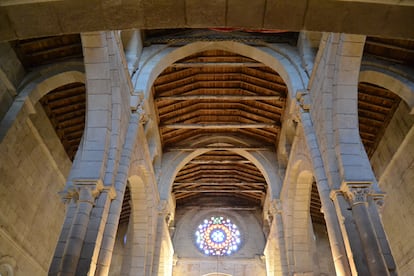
x: 218, y: 236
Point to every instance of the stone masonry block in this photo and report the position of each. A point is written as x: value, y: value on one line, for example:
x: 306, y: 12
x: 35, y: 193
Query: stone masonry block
x: 102, y: 86
x: 98, y: 119
x: 99, y: 102
x: 97, y: 71
x: 94, y: 39
x: 95, y: 55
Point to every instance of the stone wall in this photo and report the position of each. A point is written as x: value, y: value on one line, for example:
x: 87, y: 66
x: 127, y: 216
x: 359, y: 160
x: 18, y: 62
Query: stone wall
x: 393, y: 164
x: 11, y: 73
x: 33, y: 168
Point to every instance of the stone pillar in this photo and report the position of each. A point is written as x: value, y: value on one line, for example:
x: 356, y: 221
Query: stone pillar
x: 87, y: 191
x: 341, y: 263
x: 111, y: 227
x: 353, y: 248
x: 164, y: 215
x: 60, y: 247
x: 357, y: 194
x: 375, y: 204
x: 93, y: 239
x: 276, y: 259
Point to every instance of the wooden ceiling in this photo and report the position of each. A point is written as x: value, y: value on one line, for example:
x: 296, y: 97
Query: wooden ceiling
x: 215, y: 93
x: 218, y: 93
x: 47, y: 50
x: 66, y: 105
x: 400, y: 51
x: 376, y: 105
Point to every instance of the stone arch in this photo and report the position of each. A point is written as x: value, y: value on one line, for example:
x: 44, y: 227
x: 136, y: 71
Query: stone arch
x: 139, y: 230
x: 302, y: 223
x: 296, y: 214
x: 36, y: 86
x: 283, y: 60
x: 394, y: 81
x: 173, y: 162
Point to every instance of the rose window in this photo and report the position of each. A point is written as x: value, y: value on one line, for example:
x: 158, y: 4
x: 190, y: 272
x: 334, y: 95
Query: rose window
x: 218, y: 236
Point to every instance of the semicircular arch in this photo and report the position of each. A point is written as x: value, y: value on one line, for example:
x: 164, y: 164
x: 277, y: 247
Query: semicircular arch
x: 393, y: 81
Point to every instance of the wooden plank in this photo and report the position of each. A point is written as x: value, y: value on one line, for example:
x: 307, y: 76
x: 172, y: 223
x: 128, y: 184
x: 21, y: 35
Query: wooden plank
x: 219, y: 126
x: 220, y: 97
x: 219, y: 183
x: 219, y: 162
x: 223, y: 191
x: 216, y: 64
x: 56, y: 49
x: 389, y: 46
x: 219, y: 148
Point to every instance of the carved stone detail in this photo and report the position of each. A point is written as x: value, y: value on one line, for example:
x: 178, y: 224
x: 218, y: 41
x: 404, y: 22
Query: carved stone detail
x: 275, y: 208
x: 378, y: 199
x: 357, y: 192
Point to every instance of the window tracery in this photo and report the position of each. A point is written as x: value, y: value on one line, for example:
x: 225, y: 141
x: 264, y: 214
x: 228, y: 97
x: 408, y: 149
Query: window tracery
x: 218, y: 236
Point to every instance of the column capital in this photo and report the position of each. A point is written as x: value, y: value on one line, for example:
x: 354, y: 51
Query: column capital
x: 275, y: 207
x: 357, y: 192
x: 333, y: 194
x: 88, y: 189
x: 165, y: 211
x: 110, y: 190
x: 378, y: 199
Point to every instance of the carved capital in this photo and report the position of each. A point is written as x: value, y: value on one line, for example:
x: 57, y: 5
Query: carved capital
x: 335, y: 193
x: 110, y: 190
x: 302, y: 96
x: 378, y: 199
x: 164, y: 210
x: 357, y: 192
x: 275, y: 207
x: 88, y: 189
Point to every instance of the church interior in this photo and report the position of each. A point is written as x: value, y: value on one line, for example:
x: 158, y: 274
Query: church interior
x: 193, y: 138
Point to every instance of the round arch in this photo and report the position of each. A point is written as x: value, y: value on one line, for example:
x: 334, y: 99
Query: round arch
x: 173, y: 162
x: 396, y: 83
x: 283, y: 61
x: 38, y: 85
x: 296, y: 216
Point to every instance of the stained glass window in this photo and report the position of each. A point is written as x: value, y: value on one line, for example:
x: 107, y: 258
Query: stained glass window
x: 218, y: 236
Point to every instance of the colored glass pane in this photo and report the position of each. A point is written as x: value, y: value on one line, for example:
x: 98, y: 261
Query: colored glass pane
x: 218, y: 236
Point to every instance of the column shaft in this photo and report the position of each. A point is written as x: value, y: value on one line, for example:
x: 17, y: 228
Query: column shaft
x: 60, y: 248
x: 341, y: 262
x: 77, y: 232
x: 376, y: 263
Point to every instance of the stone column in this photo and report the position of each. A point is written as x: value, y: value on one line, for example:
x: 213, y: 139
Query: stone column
x: 353, y: 248
x: 93, y: 239
x: 341, y: 263
x: 376, y: 202
x: 60, y: 247
x: 357, y: 194
x: 164, y: 215
x: 87, y: 191
x: 276, y: 259
x: 111, y: 227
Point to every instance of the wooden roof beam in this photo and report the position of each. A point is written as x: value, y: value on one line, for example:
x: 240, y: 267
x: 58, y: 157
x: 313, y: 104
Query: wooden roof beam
x: 219, y: 126
x: 217, y: 64
x: 221, y: 97
x: 219, y: 148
